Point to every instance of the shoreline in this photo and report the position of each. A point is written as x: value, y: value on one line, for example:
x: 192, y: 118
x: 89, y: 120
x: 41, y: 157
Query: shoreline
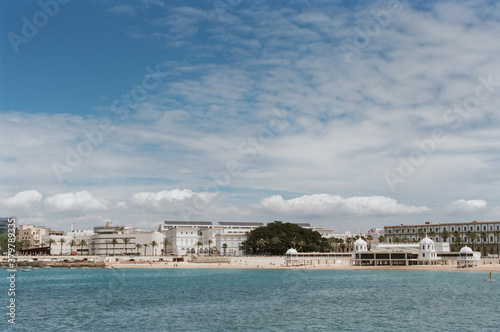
x: 262, y: 263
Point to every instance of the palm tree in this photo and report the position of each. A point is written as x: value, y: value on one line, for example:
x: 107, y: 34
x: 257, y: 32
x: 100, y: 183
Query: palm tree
x: 145, y: 245
x: 107, y: 242
x: 421, y: 234
x: 81, y: 244
x: 369, y: 238
x: 458, y: 239
x: 381, y: 239
x: 224, y: 247
x: 114, y: 242
x: 72, y: 244
x: 62, y: 241
x: 445, y: 235
x: 153, y: 245
x: 51, y: 242
x: 432, y: 235
x: 497, y: 234
x: 198, y: 244
x: 166, y: 242
x: 275, y: 241
x: 126, y: 241
x: 137, y: 247
x: 484, y: 236
x: 209, y: 243
x: 92, y: 247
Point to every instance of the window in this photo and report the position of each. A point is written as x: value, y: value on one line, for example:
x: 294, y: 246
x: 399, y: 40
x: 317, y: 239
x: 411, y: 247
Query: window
x: 458, y: 228
x: 453, y: 229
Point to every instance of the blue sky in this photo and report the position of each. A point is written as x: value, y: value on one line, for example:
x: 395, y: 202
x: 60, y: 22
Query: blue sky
x: 343, y: 114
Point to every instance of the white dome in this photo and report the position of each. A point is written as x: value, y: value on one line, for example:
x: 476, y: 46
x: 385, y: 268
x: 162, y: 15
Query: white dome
x: 360, y: 242
x: 291, y: 251
x: 426, y: 240
x: 465, y: 249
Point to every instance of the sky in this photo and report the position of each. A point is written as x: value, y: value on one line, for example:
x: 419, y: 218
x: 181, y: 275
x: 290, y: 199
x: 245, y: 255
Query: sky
x: 345, y: 114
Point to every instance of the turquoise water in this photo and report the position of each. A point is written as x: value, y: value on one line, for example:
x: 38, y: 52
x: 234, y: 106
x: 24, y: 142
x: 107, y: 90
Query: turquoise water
x: 251, y: 300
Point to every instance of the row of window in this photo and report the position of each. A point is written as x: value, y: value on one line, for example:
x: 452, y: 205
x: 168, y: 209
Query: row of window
x: 452, y: 229
x: 464, y: 239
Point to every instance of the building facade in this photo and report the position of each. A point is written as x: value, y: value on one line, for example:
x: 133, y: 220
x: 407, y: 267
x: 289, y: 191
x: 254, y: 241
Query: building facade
x: 112, y: 240
x: 4, y: 222
x: 481, y: 236
x: 32, y: 236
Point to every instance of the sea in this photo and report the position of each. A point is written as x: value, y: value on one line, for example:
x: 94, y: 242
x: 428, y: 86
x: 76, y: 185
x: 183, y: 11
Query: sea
x: 63, y: 299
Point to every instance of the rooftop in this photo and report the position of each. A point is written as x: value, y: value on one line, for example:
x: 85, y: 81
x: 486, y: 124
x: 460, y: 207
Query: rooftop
x: 240, y: 223
x: 186, y: 223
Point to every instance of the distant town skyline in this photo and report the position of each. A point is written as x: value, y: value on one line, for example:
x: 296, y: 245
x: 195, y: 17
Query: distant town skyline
x: 347, y: 115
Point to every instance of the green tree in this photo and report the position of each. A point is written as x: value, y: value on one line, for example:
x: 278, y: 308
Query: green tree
x: 114, y: 242
x: 72, y: 244
x: 458, y: 239
x: 138, y: 246
x: 224, y: 247
x: 497, y: 235
x: 484, y: 236
x: 445, y: 235
x: 381, y: 239
x: 369, y: 239
x: 198, y: 244
x: 107, y: 242
x: 277, y: 237
x: 145, y: 245
x: 421, y: 234
x: 82, y: 243
x: 51, y: 242
x: 166, y: 243
x: 209, y: 243
x: 4, y: 241
x: 126, y: 241
x: 62, y: 241
x: 153, y: 245
x: 92, y: 247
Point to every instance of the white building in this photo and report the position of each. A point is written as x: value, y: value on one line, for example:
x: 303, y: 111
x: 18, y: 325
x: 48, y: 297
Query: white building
x: 183, y: 240
x: 119, y: 240
x: 427, y: 252
x: 205, y: 238
x: 230, y: 244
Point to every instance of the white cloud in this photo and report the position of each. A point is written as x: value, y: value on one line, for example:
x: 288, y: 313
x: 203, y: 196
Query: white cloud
x: 173, y: 200
x: 25, y: 199
x: 76, y: 202
x: 324, y: 204
x: 461, y: 206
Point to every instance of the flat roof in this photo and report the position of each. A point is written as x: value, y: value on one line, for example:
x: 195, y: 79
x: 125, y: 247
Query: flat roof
x: 208, y: 223
x: 447, y: 224
x: 240, y: 223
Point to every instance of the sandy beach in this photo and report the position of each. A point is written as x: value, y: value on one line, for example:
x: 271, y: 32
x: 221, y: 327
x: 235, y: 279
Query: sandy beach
x: 279, y: 263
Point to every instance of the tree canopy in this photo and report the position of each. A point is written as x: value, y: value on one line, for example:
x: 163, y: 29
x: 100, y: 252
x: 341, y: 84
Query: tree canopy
x: 277, y: 237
